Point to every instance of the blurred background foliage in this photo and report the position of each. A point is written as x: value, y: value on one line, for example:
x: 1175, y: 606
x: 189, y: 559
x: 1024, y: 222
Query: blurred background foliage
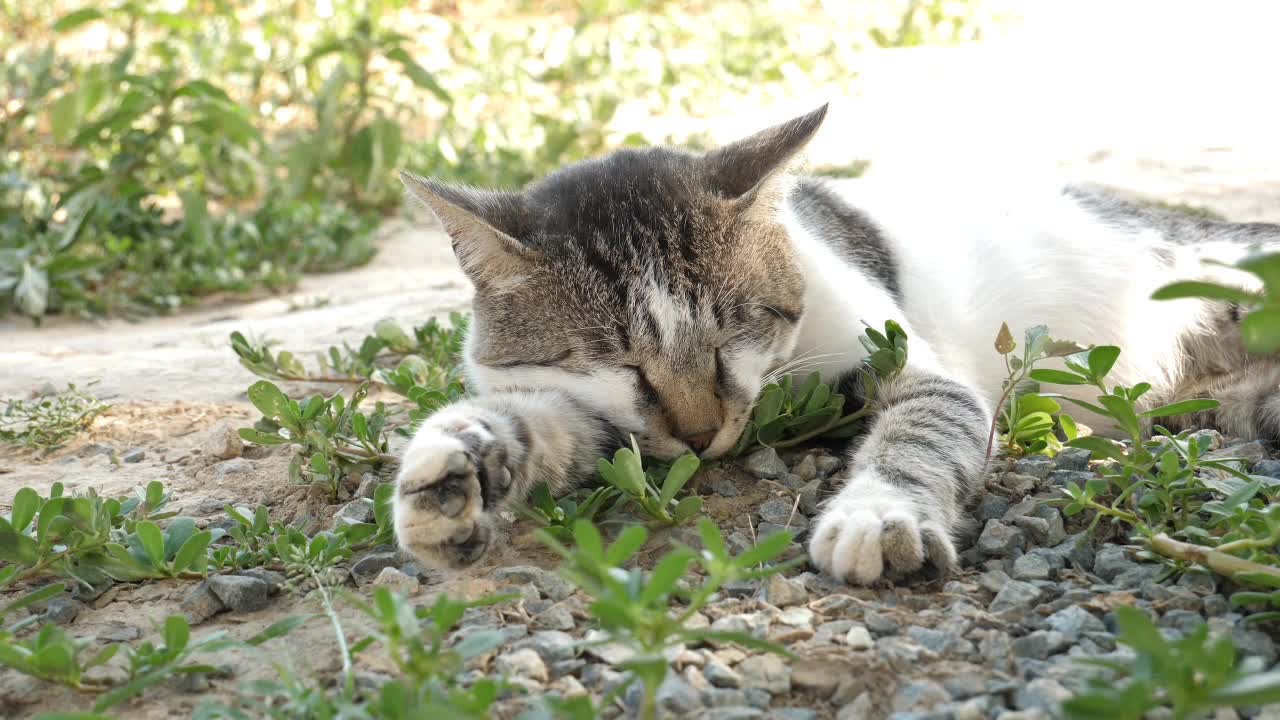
x: 156, y: 152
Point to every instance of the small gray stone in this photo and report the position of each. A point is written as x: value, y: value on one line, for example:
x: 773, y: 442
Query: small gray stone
x: 731, y: 712
x: 62, y: 609
x: 920, y: 695
x: 241, y: 593
x: 1111, y: 562
x: 201, y: 603
x: 1073, y: 621
x: 965, y: 686
x: 1040, y: 644
x: 1019, y: 485
x: 721, y: 675
x: 862, y: 708
x: 1063, y: 478
x: 1031, y: 567
x: 120, y: 632
x: 807, y: 469
x: 826, y: 465
x: 992, y: 507
x: 135, y: 455
x: 765, y: 529
x: 222, y: 442
x: 234, y: 466
x: 993, y: 580
x: 1252, y: 641
x: 556, y: 617
x: 368, y: 567
x: 722, y: 486
x: 1015, y: 595
x: 1076, y: 550
x: 859, y: 638
x: 88, y: 593
x: 273, y: 579
x: 932, y: 640
x: 1216, y: 605
x: 677, y: 697
x: 1268, y: 468
x: 767, y: 672
x: 784, y: 592
x: 779, y: 512
x: 354, y: 512
x: 397, y: 582
x: 879, y: 623
x: 1000, y: 540
x: 809, y: 497
x: 793, y: 713
x: 1249, y: 454
x: 1073, y: 458
x: 1057, y: 531
x: 765, y: 464
x: 1040, y: 693
x: 1037, y: 466
x: 1208, y: 439
x: 1184, y: 621
x: 548, y: 583
x: 525, y: 663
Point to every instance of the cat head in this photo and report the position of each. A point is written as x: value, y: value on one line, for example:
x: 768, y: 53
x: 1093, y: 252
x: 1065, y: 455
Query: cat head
x: 654, y: 285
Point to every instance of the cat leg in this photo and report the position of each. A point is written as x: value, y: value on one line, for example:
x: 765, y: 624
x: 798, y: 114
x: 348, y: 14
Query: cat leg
x: 906, y: 482
x: 469, y: 459
x: 1248, y: 401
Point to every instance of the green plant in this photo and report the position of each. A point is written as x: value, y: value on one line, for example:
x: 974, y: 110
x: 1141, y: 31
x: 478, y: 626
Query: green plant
x: 331, y: 435
x: 48, y: 420
x: 1190, y: 676
x: 1260, y: 327
x: 557, y: 517
x: 1185, y: 509
x: 49, y: 654
x: 787, y: 415
x: 627, y: 475
x: 1026, y: 419
x: 635, y: 608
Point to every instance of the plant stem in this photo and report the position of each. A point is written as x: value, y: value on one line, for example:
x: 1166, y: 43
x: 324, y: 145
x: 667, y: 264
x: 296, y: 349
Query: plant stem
x: 824, y: 429
x: 1217, y: 561
x: 348, y: 678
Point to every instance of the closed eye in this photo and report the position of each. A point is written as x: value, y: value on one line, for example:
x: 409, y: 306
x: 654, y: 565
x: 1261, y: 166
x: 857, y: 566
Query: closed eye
x: 646, y: 387
x: 525, y: 362
x: 722, y: 374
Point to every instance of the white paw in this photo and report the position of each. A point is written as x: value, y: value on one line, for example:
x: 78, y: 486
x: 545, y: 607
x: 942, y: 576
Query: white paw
x: 869, y: 531
x: 447, y: 480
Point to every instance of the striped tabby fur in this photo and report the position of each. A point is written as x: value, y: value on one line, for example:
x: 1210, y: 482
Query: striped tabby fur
x: 654, y: 292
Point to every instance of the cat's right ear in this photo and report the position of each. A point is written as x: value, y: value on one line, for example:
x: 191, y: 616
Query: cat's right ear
x: 482, y: 225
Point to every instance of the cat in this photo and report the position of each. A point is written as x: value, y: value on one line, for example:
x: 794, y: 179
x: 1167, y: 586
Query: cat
x: 653, y: 292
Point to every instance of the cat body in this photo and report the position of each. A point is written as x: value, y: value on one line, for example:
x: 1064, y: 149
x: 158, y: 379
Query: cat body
x: 652, y: 293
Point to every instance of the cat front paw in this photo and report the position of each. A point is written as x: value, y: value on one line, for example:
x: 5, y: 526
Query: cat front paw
x: 450, y: 480
x: 870, y: 531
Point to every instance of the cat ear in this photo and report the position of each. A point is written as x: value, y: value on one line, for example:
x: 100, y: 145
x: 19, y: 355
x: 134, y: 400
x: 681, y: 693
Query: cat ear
x: 482, y: 225
x: 753, y: 171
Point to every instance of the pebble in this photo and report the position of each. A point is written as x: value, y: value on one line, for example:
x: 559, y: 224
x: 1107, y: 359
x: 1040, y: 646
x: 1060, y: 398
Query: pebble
x: 524, y: 663
x: 780, y: 512
x: 722, y: 486
x: 556, y: 617
x: 234, y: 466
x: 784, y: 592
x: 810, y: 498
x: 62, y: 609
x: 368, y: 567
x: 992, y: 507
x: 222, y: 442
x: 136, y: 455
x: 862, y: 708
x: 1000, y: 540
x: 1042, y: 693
x: 767, y: 672
x: 827, y: 465
x: 721, y: 675
x: 241, y: 593
x: 919, y: 695
x: 354, y: 512
x: 806, y: 469
x: 1031, y: 567
x: 1015, y: 595
x: 1036, y: 466
x: 396, y: 581
x: 548, y: 583
x: 201, y: 603
x: 1073, y: 459
x: 1268, y: 468
x: 1073, y: 621
x: 859, y: 638
x: 1111, y: 561
x: 765, y: 464
x: 1062, y: 478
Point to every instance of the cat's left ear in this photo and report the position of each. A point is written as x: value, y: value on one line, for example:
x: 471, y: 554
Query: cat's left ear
x: 753, y: 171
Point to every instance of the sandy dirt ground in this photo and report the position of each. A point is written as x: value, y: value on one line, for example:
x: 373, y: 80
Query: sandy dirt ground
x: 175, y: 384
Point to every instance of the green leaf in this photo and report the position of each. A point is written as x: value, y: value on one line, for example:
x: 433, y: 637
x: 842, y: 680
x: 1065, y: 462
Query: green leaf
x: 34, y: 597
x: 25, y: 504
x: 686, y: 509
x: 152, y: 541
x: 728, y: 636
x: 279, y: 628
x: 260, y: 438
x: 1183, y: 407
x: 767, y: 549
x: 1100, y: 447
x: 176, y: 634
x: 1102, y: 359
x: 267, y: 398
x: 1261, y: 330
x: 681, y: 470
x: 1212, y: 291
x: 1057, y: 377
x: 1253, y: 689
x: 769, y: 406
x: 662, y: 581
x: 75, y: 19
x: 1068, y: 426
x: 191, y: 556
x: 629, y: 542
x: 1122, y: 410
x: 177, y: 534
x: 418, y: 74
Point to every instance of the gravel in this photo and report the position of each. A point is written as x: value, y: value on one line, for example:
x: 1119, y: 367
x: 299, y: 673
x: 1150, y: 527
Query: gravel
x: 241, y: 593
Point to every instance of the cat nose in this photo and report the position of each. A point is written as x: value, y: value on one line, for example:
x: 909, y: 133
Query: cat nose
x: 700, y: 441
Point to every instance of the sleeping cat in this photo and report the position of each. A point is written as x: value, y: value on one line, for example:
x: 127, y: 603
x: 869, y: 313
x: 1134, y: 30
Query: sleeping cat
x: 652, y: 293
